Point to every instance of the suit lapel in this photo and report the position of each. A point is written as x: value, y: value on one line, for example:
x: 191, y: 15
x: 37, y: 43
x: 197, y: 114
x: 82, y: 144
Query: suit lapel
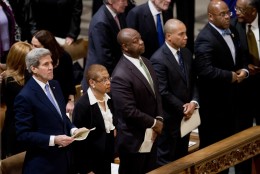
x: 42, y: 97
x: 138, y: 74
x: 170, y: 57
x: 222, y: 41
x: 148, y: 19
x: 111, y: 19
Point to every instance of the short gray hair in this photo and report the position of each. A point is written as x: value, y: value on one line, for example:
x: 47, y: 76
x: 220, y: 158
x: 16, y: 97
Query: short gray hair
x: 34, y: 56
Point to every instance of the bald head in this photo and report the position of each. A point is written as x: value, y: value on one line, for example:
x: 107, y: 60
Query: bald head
x: 215, y: 5
x: 172, y: 25
x: 125, y: 35
x: 175, y: 33
x: 131, y: 42
x: 219, y: 14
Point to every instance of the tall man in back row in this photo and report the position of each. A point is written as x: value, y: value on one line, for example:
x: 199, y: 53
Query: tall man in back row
x: 103, y: 29
x: 148, y: 19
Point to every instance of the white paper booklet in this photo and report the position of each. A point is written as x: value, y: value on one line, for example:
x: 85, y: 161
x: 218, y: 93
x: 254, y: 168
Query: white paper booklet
x: 188, y: 125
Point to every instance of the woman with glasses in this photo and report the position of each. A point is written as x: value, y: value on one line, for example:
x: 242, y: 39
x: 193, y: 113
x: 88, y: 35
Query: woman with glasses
x: 94, y: 110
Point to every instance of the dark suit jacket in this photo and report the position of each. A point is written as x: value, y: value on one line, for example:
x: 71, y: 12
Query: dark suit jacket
x: 90, y: 153
x: 135, y: 104
x: 241, y: 28
x: 62, y: 19
x: 251, y: 85
x: 103, y: 47
x: 218, y: 96
x: 37, y: 119
x: 141, y: 19
x: 176, y: 88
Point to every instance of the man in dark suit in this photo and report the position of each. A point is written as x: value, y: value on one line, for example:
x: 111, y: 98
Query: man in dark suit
x: 98, y: 3
x: 247, y: 13
x: 103, y: 29
x: 137, y: 105
x: 178, y: 90
x: 143, y: 19
x: 221, y: 68
x: 41, y: 122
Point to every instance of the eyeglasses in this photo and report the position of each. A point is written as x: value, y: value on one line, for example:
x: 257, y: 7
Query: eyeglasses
x: 241, y: 10
x: 224, y: 14
x: 104, y: 80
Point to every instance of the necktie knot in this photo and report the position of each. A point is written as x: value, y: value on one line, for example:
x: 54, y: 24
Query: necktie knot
x: 226, y: 32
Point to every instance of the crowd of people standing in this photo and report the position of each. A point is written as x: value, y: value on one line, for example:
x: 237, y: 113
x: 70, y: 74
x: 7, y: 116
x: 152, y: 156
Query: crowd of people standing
x: 144, y: 73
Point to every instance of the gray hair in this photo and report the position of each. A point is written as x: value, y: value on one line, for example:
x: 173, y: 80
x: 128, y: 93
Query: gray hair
x: 34, y: 56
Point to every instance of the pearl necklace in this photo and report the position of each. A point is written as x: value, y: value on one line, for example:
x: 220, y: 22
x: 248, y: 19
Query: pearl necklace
x: 100, y: 101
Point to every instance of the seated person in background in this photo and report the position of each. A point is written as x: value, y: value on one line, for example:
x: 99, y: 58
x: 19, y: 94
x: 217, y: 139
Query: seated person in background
x: 94, y: 109
x: 15, y: 78
x: 63, y: 65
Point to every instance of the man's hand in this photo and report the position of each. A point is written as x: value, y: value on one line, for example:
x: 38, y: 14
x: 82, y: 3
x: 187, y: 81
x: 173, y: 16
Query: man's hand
x: 63, y: 140
x: 253, y: 69
x: 189, y: 109
x: 158, y: 127
x: 241, y: 75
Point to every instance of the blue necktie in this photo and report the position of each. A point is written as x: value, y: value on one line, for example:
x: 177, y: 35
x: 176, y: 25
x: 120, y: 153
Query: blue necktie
x: 181, y: 62
x: 160, y: 30
x: 226, y: 32
x: 47, y: 88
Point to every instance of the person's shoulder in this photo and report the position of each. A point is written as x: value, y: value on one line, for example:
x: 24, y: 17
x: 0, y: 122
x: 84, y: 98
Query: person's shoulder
x: 54, y: 83
x: 83, y: 100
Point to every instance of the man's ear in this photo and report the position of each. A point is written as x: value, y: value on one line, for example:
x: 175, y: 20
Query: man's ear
x: 124, y: 47
x: 33, y: 69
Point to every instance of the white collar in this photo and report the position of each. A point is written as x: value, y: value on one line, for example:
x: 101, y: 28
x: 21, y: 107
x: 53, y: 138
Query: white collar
x: 92, y: 98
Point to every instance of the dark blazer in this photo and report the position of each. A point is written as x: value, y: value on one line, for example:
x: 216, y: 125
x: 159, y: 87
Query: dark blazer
x: 103, y: 47
x: 64, y: 74
x: 241, y: 28
x: 218, y: 96
x: 37, y: 119
x: 135, y: 104
x: 62, y: 17
x: 251, y: 85
x: 90, y: 154
x: 176, y: 88
x: 141, y: 19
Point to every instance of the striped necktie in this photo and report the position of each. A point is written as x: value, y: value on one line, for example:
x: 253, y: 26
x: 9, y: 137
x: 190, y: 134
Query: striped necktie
x: 148, y: 75
x: 47, y: 88
x: 252, y: 46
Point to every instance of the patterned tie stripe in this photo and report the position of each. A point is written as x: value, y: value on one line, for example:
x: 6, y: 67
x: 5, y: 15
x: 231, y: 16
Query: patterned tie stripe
x: 252, y: 45
x: 47, y: 88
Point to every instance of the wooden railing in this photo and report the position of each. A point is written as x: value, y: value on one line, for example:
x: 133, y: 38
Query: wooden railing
x: 217, y: 157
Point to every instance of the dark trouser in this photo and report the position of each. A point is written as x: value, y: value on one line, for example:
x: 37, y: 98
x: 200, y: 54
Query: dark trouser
x: 137, y: 163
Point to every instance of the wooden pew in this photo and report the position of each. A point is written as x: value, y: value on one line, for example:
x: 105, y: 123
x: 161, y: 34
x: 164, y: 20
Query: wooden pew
x: 217, y: 157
